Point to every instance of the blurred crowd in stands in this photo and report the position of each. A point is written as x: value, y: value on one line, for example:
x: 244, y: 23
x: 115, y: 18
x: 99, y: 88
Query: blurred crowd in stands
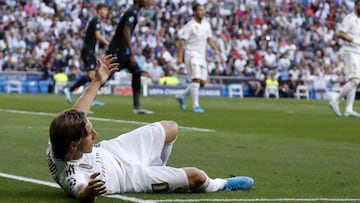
x: 291, y: 41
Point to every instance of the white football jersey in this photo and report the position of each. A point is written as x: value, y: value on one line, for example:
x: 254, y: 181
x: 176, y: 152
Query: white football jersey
x: 130, y: 162
x: 196, y: 35
x: 71, y: 174
x: 351, y: 26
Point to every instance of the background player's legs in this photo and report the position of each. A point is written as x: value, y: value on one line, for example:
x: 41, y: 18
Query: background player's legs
x: 352, y: 72
x: 200, y: 75
x: 82, y: 81
x: 194, y: 93
x: 348, y: 87
x: 193, y: 88
x: 181, y: 97
x: 90, y: 65
x: 136, y: 86
x: 185, y: 92
x: 124, y: 62
x: 350, y: 98
x: 349, y: 90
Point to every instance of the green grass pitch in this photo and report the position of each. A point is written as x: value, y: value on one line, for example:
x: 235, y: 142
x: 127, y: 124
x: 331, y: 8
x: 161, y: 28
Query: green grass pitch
x: 294, y: 149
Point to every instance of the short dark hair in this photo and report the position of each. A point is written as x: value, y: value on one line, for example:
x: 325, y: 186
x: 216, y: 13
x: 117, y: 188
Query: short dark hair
x: 195, y: 6
x: 100, y: 6
x: 356, y: 1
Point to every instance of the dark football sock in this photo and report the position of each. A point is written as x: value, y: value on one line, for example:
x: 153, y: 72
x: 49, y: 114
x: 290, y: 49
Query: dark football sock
x: 136, y: 86
x: 83, y: 80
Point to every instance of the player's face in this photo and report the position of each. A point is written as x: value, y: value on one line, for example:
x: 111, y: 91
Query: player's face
x: 104, y: 12
x: 199, y: 13
x: 87, y: 142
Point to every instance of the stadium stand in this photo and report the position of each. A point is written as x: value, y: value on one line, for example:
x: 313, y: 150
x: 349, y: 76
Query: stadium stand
x: 258, y: 37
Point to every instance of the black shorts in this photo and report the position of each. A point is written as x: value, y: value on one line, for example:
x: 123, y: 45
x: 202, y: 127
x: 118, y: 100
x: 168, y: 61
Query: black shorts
x: 124, y: 61
x: 89, y: 59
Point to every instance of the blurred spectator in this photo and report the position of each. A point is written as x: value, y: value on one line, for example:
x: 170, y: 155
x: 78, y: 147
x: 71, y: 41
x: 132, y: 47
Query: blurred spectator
x: 169, y: 78
x: 216, y: 71
x: 30, y: 9
x: 155, y: 71
x: 299, y: 33
x: 139, y: 57
x: 287, y: 88
x: 60, y: 76
x: 271, y: 85
x: 255, y: 86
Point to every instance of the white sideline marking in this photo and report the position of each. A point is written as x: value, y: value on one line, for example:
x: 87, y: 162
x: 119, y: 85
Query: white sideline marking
x: 137, y: 200
x: 103, y: 119
x: 266, y: 200
x: 29, y: 180
x: 51, y: 184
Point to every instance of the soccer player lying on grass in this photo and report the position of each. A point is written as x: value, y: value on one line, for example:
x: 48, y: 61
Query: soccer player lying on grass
x: 132, y: 162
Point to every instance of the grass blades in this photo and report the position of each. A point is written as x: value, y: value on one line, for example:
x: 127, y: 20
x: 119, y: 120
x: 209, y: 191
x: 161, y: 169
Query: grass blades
x: 292, y: 148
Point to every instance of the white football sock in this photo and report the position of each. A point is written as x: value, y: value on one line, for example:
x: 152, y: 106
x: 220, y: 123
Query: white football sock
x: 350, y: 98
x: 195, y: 93
x: 344, y: 91
x: 185, y: 92
x: 352, y: 84
x: 216, y: 184
x: 212, y: 185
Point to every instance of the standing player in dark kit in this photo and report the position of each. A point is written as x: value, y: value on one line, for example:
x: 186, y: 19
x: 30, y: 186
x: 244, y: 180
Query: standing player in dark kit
x: 120, y: 46
x: 92, y: 36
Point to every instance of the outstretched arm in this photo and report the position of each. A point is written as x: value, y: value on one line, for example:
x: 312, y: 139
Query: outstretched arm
x: 346, y: 37
x: 213, y: 45
x: 180, y: 55
x: 101, y: 38
x: 104, y: 68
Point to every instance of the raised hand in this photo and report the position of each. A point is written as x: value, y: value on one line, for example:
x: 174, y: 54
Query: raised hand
x: 105, y: 67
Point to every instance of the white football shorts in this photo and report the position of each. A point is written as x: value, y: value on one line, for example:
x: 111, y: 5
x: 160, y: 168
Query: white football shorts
x: 138, y: 153
x: 352, y: 65
x: 196, y: 67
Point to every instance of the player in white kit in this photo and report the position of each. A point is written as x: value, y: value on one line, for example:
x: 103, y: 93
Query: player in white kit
x: 195, y: 36
x: 349, y: 31
x: 132, y: 162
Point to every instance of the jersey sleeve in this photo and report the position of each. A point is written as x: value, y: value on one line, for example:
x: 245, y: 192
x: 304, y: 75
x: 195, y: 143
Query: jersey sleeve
x: 345, y: 25
x: 130, y: 18
x: 73, y: 180
x: 95, y: 23
x: 185, y: 32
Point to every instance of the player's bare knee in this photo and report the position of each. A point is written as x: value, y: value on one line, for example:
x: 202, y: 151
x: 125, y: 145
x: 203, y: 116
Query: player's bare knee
x: 171, y: 131
x: 196, y: 177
